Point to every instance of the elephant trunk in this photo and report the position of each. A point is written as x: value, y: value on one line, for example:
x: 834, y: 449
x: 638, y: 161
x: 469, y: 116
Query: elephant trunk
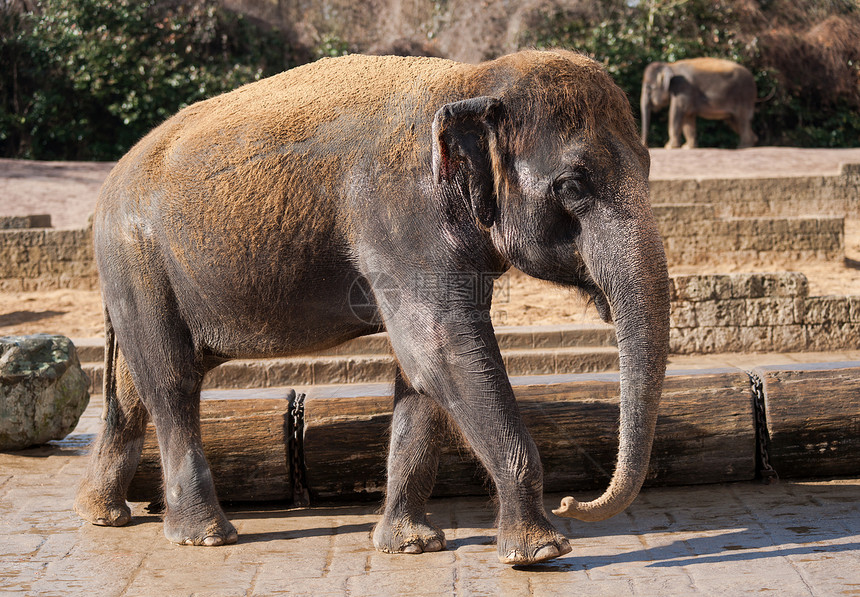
x: 634, y: 278
x: 645, y: 110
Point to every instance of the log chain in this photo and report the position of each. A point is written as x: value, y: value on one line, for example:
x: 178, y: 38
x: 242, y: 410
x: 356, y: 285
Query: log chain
x: 764, y: 470
x: 301, y: 496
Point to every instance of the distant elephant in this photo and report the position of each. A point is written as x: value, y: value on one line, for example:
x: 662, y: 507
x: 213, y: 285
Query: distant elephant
x: 241, y: 227
x: 708, y: 88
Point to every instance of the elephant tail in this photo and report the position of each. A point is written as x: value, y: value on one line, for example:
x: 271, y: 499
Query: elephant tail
x: 109, y: 381
x: 768, y: 97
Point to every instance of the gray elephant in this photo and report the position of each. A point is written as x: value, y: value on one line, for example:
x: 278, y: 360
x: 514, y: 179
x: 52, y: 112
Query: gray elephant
x: 239, y: 227
x: 708, y: 88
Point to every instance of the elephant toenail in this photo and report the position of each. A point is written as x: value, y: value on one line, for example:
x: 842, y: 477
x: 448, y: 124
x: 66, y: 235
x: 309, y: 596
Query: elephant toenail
x: 433, y: 545
x: 413, y: 548
x: 546, y: 553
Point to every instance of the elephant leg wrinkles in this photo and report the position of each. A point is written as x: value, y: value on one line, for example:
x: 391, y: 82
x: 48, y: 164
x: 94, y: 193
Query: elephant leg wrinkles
x: 168, y: 374
x: 417, y: 428
x: 471, y: 384
x: 101, y: 497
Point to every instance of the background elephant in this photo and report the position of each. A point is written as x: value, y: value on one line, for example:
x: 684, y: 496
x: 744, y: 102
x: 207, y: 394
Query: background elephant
x: 699, y: 87
x: 239, y: 227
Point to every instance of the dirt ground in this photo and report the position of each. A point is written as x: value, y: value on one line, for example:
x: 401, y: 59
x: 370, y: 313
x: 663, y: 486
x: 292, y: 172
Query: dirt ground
x: 67, y: 191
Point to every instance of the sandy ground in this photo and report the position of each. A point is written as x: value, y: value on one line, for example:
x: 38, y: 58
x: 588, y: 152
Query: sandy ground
x: 67, y: 191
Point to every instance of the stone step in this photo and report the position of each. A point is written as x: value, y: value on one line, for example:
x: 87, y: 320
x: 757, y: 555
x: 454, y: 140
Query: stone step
x: 509, y: 337
x: 348, y: 369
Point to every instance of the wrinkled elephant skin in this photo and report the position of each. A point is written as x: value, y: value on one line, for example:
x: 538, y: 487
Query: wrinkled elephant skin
x: 365, y: 193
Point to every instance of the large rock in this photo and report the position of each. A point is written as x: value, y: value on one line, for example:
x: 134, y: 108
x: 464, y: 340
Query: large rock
x: 43, y: 390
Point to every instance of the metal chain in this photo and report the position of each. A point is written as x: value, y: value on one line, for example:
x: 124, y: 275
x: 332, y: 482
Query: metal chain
x: 301, y: 496
x: 762, y: 437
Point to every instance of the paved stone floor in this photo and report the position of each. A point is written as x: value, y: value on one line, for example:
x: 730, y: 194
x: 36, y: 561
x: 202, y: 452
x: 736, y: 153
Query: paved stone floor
x: 791, y: 538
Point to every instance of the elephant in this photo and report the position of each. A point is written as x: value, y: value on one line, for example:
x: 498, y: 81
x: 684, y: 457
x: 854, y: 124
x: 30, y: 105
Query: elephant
x: 241, y: 226
x: 709, y: 88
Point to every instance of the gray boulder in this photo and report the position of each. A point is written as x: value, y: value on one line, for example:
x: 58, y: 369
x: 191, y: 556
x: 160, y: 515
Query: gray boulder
x: 43, y: 390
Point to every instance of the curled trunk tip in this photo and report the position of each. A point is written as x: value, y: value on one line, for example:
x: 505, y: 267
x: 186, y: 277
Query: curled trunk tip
x: 572, y: 508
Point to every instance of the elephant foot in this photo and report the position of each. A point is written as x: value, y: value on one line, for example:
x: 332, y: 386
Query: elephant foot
x: 403, y: 535
x: 530, y: 544
x: 207, y: 533
x: 100, y: 509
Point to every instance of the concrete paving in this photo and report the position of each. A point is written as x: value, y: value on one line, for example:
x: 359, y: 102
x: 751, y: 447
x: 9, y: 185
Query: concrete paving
x: 790, y: 538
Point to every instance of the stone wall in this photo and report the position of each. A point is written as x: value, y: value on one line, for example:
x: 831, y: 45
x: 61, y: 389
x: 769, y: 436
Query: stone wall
x: 694, y: 235
x: 759, y: 313
x: 35, y: 221
x: 43, y: 259
x: 837, y: 196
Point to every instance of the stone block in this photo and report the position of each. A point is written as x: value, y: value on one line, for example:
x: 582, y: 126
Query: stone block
x: 773, y: 311
x: 586, y: 361
x: 720, y: 313
x: 529, y: 362
x: 548, y: 338
x: 18, y: 222
x: 853, y: 309
x: 237, y: 374
x: 707, y: 340
x: 43, y: 390
x: 826, y: 310
x: 696, y: 287
x: 283, y: 372
x: 682, y: 314
x: 835, y: 336
x: 371, y: 368
x: 787, y: 338
x: 753, y: 339
x: 328, y: 370
x: 755, y: 285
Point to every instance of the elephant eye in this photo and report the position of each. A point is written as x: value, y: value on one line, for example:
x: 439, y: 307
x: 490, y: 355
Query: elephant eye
x: 568, y: 186
x: 572, y: 190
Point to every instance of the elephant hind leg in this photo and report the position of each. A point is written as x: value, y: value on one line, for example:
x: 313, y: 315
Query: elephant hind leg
x: 167, y: 374
x: 114, y: 456
x: 689, y: 128
x: 742, y: 125
x: 417, y: 428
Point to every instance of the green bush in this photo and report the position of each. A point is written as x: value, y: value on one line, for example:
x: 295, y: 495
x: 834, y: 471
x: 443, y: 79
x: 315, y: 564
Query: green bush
x: 87, y: 78
x: 809, y: 85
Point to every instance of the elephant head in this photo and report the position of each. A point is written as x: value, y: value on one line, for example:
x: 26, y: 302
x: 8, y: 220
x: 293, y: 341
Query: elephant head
x: 655, y: 93
x: 553, y: 171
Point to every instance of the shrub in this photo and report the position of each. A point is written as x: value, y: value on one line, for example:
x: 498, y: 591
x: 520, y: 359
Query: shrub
x: 807, y: 67
x: 87, y: 78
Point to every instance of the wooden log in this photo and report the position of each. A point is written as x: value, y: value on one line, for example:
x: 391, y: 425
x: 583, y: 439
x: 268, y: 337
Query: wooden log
x: 813, y: 418
x: 705, y: 434
x: 245, y: 438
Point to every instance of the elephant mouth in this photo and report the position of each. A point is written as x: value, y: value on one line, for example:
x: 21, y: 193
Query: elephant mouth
x: 601, y: 303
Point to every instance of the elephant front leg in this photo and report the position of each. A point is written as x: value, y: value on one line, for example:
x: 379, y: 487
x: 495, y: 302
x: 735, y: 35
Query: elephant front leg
x: 417, y: 427
x: 676, y: 120
x: 460, y: 366
x: 525, y: 536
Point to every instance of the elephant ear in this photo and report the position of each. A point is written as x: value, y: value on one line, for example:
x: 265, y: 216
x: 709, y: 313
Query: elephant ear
x: 679, y: 84
x: 464, y: 134
x: 666, y: 76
